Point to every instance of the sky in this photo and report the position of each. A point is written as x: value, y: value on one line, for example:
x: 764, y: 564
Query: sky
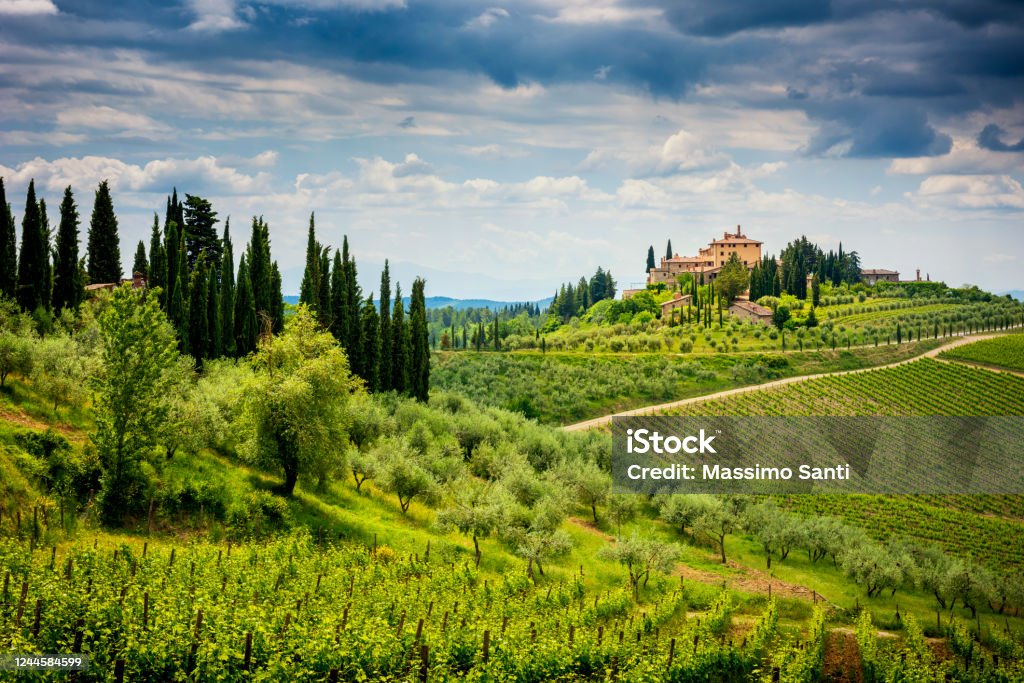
x: 500, y: 149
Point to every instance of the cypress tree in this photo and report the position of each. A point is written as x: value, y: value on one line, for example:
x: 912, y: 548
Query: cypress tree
x: 227, y: 294
x: 419, y: 340
x: 668, y: 250
x: 339, y: 306
x: 171, y: 252
x: 104, y: 244
x: 353, y: 297
x: 399, y: 345
x: 277, y: 300
x: 370, y: 338
x: 198, y: 312
x: 157, y: 263
x: 259, y: 268
x: 141, y: 263
x: 32, y: 263
x: 324, y: 289
x: 385, y: 328
x: 309, y: 290
x: 246, y: 328
x: 213, y: 324
x: 200, y: 232
x: 67, y: 278
x: 8, y: 248
x: 650, y: 259
x: 177, y: 314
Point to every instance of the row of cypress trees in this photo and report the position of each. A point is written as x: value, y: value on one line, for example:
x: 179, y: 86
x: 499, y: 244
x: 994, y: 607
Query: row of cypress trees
x: 387, y: 350
x: 48, y: 275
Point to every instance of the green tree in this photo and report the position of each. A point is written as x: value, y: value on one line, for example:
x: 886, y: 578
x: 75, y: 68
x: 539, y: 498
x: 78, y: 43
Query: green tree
x: 650, y: 259
x: 16, y: 353
x: 780, y: 316
x: 104, y: 246
x: 68, y: 291
x: 591, y: 484
x: 157, y: 262
x: 733, y: 280
x: 213, y: 320
x: 276, y: 299
x: 641, y: 556
x: 400, y: 345
x: 60, y: 369
x: 384, y: 372
x: 369, y: 354
x: 296, y: 405
x: 198, y: 317
x: 227, y: 293
x: 8, y: 247
x: 476, y: 510
x: 33, y: 262
x: 141, y: 263
x: 419, y: 337
x: 406, y: 472
x: 309, y: 290
x: 716, y: 522
x: 339, y: 300
x: 668, y: 250
x: 324, y: 290
x: 246, y: 324
x: 172, y: 252
x: 200, y: 230
x: 258, y: 258
x: 137, y: 350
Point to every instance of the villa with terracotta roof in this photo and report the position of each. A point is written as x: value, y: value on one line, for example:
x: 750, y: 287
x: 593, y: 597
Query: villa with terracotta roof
x: 709, y: 260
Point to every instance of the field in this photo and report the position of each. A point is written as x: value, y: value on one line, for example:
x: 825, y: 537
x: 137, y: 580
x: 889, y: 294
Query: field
x: 1004, y: 352
x: 603, y: 383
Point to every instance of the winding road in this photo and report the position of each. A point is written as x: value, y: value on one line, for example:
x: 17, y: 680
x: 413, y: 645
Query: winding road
x: 657, y: 408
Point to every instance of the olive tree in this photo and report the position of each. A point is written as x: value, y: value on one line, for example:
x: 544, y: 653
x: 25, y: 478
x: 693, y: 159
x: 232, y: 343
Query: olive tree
x: 296, y: 409
x: 477, y: 509
x: 641, y: 556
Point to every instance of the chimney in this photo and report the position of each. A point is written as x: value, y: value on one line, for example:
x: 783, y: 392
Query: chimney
x: 918, y: 274
x: 739, y: 232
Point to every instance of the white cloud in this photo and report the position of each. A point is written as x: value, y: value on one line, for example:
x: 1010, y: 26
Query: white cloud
x: 965, y: 157
x: 156, y: 176
x: 972, y: 192
x: 491, y: 151
x: 124, y: 124
x: 487, y: 18
x: 24, y: 7
x: 214, y: 16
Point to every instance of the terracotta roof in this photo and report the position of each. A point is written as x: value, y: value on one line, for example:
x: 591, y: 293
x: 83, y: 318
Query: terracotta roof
x: 878, y: 271
x: 736, y: 240
x: 751, y: 307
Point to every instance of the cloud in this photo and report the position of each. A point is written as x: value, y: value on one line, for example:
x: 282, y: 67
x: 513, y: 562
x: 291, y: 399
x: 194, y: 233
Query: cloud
x: 103, y: 118
x: 965, y: 157
x: 487, y: 18
x: 973, y: 192
x: 491, y: 151
x: 684, y: 152
x: 27, y: 7
x: 412, y: 166
x: 214, y: 16
x: 155, y: 176
x: 991, y: 137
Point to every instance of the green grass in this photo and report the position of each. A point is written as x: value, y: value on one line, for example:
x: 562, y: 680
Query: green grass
x: 606, y: 383
x: 1003, y: 352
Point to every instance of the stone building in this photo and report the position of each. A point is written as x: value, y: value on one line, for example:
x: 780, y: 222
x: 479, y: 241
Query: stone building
x: 872, y: 275
x: 748, y: 310
x: 709, y: 260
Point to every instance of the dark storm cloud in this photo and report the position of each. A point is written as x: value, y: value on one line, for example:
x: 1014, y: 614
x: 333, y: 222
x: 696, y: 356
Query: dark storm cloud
x: 991, y: 137
x: 875, y: 76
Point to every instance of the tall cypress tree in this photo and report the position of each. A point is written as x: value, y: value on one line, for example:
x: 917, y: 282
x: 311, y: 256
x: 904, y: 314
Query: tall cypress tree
x: 339, y: 302
x: 178, y: 314
x: 32, y: 262
x: 213, y: 323
x: 650, y: 258
x: 370, y: 338
x: 324, y: 293
x: 276, y: 300
x: 668, y: 250
x: 141, y: 263
x: 353, y: 297
x: 246, y: 327
x: 8, y: 247
x: 157, y: 262
x: 46, y: 286
x: 67, y: 277
x: 419, y: 338
x: 399, y: 345
x: 198, y: 320
x: 227, y: 293
x: 385, y: 328
x: 259, y: 268
x: 200, y: 232
x: 309, y: 290
x: 171, y: 253
x: 104, y: 244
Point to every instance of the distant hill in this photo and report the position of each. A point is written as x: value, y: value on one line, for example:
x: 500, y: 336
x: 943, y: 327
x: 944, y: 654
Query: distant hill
x: 1017, y: 294
x: 457, y: 304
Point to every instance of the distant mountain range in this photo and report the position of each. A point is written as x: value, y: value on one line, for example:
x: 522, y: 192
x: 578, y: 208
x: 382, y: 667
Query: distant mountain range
x: 1017, y: 294
x: 457, y: 304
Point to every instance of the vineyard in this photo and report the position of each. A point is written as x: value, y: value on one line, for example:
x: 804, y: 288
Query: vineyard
x: 302, y: 611
x: 1005, y: 352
